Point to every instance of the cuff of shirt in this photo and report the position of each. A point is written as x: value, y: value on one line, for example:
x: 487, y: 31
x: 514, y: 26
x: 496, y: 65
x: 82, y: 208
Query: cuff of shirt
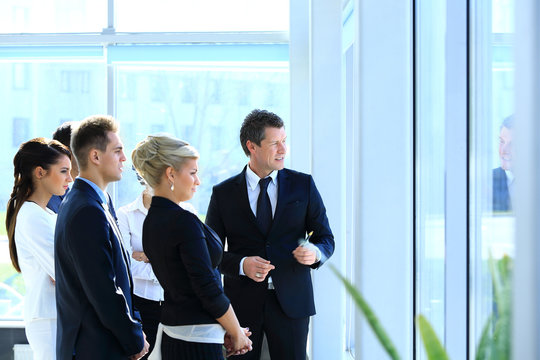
x: 312, y: 247
x: 241, y: 272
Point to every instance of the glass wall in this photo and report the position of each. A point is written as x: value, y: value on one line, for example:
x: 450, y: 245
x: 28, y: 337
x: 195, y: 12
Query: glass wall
x: 198, y: 92
x: 492, y: 181
x: 430, y: 99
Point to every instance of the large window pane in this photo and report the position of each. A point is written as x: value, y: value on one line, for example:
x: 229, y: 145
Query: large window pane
x: 52, y: 16
x: 202, y: 15
x: 37, y: 97
x: 430, y: 169
x: 203, y: 104
x: 492, y: 222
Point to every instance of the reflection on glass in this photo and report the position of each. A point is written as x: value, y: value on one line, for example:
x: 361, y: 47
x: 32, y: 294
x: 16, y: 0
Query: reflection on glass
x: 52, y: 16
x: 491, y: 184
x: 207, y: 15
x: 204, y: 105
x: 38, y: 102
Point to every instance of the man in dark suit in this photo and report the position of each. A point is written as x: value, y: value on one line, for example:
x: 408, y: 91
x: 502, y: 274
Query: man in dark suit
x: 96, y: 319
x: 503, y: 176
x: 263, y: 215
x: 63, y: 134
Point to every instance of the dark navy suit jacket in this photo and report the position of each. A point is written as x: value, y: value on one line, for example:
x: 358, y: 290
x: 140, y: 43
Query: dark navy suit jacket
x: 185, y: 255
x: 96, y: 319
x: 501, y: 195
x: 299, y: 210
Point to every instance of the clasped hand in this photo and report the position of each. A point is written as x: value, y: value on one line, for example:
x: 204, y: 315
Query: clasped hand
x: 239, y: 344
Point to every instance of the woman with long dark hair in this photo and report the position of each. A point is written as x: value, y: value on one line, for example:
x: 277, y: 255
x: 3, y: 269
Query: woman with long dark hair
x: 41, y: 169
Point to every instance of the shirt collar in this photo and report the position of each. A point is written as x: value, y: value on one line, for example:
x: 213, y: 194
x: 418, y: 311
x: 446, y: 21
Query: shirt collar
x: 509, y: 176
x: 96, y: 188
x: 253, y: 179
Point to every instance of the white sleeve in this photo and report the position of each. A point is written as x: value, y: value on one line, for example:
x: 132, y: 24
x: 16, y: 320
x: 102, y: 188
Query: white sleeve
x: 35, y: 231
x: 139, y: 269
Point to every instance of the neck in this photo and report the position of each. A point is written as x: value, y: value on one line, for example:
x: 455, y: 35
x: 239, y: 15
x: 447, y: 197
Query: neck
x: 146, y: 199
x: 94, y: 177
x: 40, y: 197
x: 260, y: 173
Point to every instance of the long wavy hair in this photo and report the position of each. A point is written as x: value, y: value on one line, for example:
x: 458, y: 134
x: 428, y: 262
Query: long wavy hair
x: 31, y: 154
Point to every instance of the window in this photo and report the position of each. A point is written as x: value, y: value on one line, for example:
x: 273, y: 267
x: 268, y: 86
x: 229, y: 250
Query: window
x: 209, y: 15
x: 21, y: 76
x: 492, y: 180
x: 431, y: 166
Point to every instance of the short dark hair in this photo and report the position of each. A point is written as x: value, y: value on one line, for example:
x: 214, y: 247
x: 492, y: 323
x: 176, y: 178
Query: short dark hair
x: 254, y: 126
x: 63, y: 133
x: 91, y: 133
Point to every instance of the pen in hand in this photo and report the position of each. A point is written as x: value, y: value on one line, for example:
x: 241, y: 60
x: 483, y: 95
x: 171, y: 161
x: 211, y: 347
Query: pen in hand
x: 304, y: 242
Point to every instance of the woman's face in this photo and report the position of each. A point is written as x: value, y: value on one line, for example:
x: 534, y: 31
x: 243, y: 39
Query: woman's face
x: 58, y: 176
x: 186, y: 180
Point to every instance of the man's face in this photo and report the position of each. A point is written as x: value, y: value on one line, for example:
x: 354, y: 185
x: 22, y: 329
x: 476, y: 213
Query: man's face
x: 505, y: 148
x: 270, y: 155
x: 112, y: 159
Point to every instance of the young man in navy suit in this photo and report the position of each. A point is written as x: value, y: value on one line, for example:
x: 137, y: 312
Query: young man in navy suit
x: 96, y: 319
x: 264, y: 214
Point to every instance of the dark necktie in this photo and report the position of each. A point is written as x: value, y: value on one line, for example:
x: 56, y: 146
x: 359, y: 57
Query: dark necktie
x: 264, y: 208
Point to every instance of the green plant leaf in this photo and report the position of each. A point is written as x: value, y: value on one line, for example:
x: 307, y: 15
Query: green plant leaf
x: 483, y: 350
x: 432, y: 344
x: 370, y: 316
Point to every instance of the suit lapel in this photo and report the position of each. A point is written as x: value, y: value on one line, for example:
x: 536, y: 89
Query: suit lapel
x: 243, y: 196
x: 284, y: 185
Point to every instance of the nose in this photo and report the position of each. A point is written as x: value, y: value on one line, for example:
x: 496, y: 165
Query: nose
x: 123, y: 157
x: 197, y: 180
x: 282, y: 148
x: 69, y: 177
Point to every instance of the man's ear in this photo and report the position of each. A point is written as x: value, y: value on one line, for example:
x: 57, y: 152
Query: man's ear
x: 94, y: 156
x: 250, y: 146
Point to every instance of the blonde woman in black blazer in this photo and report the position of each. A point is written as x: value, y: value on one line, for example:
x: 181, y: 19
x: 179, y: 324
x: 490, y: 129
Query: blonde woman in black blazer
x: 197, y: 318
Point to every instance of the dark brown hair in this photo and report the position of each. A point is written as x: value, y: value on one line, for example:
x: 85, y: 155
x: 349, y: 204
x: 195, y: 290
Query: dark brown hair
x: 31, y: 154
x: 91, y: 133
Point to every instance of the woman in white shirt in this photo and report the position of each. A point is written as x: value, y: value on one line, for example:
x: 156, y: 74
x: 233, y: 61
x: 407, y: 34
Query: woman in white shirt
x: 42, y: 169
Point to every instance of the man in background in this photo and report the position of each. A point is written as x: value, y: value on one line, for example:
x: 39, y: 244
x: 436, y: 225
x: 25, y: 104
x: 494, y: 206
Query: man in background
x: 503, y: 177
x: 63, y: 134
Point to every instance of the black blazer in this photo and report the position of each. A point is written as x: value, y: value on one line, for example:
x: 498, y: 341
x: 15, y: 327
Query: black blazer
x: 93, y: 292
x: 501, y: 195
x: 299, y: 210
x: 185, y: 255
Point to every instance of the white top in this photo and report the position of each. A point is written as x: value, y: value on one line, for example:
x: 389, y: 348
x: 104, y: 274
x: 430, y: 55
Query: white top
x: 130, y: 220
x: 204, y: 333
x: 34, y: 239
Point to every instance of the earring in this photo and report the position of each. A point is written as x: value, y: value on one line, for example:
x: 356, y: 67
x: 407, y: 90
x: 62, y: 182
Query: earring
x: 172, y: 187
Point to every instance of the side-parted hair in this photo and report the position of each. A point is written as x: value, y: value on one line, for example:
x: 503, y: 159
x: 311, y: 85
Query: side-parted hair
x: 254, y: 126
x: 152, y: 156
x: 91, y: 133
x: 31, y: 154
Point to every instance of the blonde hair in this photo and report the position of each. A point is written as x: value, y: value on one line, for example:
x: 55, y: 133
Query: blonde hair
x: 157, y: 152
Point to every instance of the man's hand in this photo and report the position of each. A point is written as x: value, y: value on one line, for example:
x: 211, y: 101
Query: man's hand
x: 257, y: 268
x: 305, y: 255
x: 143, y: 352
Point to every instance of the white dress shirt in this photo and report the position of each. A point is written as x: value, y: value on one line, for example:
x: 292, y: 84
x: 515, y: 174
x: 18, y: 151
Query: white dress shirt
x: 253, y: 190
x: 130, y: 220
x: 34, y: 239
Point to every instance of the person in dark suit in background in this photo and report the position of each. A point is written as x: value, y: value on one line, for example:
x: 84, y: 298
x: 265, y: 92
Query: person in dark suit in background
x: 196, y: 317
x: 63, y: 135
x: 96, y: 319
x: 263, y: 215
x: 503, y: 177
